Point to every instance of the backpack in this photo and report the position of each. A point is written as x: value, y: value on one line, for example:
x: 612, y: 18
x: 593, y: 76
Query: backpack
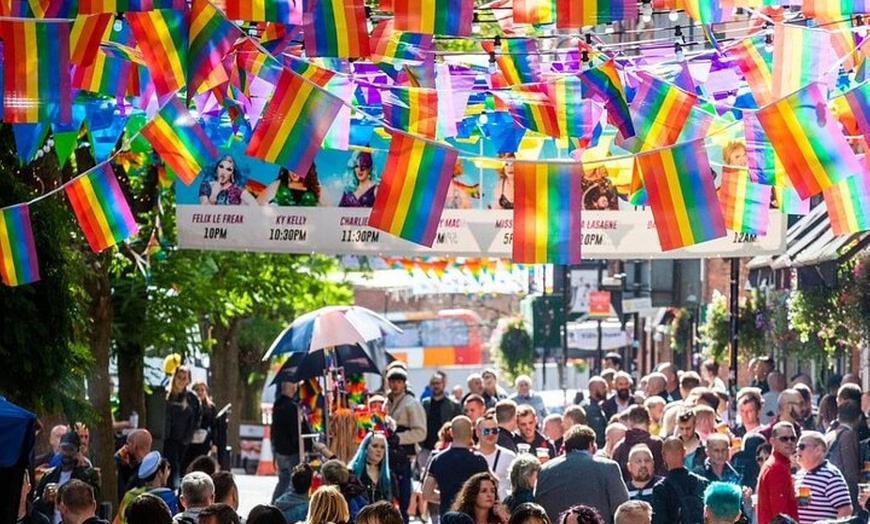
x: 691, y: 508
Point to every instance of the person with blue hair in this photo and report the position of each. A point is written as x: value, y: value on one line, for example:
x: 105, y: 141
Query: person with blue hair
x: 722, y: 503
x: 371, y: 467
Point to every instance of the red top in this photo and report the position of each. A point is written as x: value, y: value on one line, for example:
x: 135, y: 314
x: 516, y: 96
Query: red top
x: 776, y: 489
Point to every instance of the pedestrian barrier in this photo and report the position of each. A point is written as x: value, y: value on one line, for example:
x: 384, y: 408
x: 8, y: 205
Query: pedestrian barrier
x: 266, y: 466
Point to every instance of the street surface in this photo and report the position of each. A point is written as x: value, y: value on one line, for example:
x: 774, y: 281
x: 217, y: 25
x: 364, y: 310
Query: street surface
x: 253, y: 490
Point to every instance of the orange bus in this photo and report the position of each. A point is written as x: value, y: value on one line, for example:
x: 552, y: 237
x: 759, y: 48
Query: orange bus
x: 450, y: 337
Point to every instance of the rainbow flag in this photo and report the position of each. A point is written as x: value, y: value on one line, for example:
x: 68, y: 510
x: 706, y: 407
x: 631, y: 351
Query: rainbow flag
x: 101, y: 208
x: 295, y: 121
x: 682, y: 195
x: 848, y: 203
x: 534, y: 11
x: 518, y: 60
x: 858, y: 100
x: 391, y: 46
x: 36, y: 80
x: 337, y: 28
x: 659, y: 112
x: 412, y: 109
x: 604, y: 81
x: 162, y: 37
x: 800, y: 55
x: 577, y: 116
x: 18, y: 263
x: 790, y: 203
x: 89, y: 7
x: 751, y: 58
x: 706, y: 11
x: 807, y: 139
x: 434, y: 17
x: 574, y: 14
x: 531, y: 108
x: 85, y: 37
x: 211, y: 38
x: 38, y: 8
x: 413, y: 189
x: 745, y: 204
x: 283, y: 11
x: 547, y: 203
x: 106, y: 75
x: 764, y: 165
x: 834, y: 8
x: 179, y: 140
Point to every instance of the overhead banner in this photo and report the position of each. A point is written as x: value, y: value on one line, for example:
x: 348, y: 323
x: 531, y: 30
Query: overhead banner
x: 244, y: 204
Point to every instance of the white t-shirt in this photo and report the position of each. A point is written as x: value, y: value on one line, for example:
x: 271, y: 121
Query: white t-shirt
x: 499, y: 461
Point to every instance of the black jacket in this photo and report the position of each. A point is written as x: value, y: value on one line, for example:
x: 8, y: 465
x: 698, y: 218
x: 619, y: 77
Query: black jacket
x: 285, y: 427
x: 183, y: 414
x: 449, y: 409
x: 667, y: 503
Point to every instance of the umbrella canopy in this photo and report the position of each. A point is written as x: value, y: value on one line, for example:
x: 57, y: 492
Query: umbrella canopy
x: 329, y: 327
x: 353, y: 358
x: 16, y: 433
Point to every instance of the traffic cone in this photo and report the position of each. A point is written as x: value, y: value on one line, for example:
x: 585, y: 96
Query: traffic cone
x: 266, y: 466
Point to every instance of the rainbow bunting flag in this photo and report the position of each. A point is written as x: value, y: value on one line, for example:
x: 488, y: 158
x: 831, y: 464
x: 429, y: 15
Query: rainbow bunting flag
x: 637, y: 195
x: 858, y: 100
x: 391, y: 46
x: 531, y: 108
x: 162, y: 37
x: 756, y: 63
x: 706, y: 11
x: 534, y: 11
x: 106, y: 75
x: 764, y: 165
x: 179, y: 140
x: 682, y: 195
x: 800, y: 55
x: 848, y: 203
x: 337, y: 28
x: 211, y: 37
x: 659, y: 112
x: 434, y: 17
x: 36, y: 80
x: 547, y: 203
x: 790, y: 203
x: 38, y: 8
x: 745, y: 204
x: 806, y: 137
x: 518, y: 60
x: 604, y: 81
x: 283, y: 11
x: 101, y: 208
x: 276, y: 38
x: 18, y: 263
x: 577, y: 116
x: 295, y: 121
x: 89, y: 7
x: 413, y: 189
x: 834, y: 8
x: 86, y: 35
x: 412, y: 109
x: 574, y: 14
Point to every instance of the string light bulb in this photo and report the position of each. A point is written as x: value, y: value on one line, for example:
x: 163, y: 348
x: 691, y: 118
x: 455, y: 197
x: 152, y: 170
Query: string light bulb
x: 118, y: 25
x: 768, y: 43
x: 673, y: 16
x: 646, y: 11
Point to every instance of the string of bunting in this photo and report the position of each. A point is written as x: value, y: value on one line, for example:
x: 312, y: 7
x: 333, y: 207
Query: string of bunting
x: 219, y: 64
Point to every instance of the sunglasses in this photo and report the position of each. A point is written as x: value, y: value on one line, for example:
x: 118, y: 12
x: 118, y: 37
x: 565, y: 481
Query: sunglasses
x: 488, y: 431
x: 790, y: 438
x: 803, y: 446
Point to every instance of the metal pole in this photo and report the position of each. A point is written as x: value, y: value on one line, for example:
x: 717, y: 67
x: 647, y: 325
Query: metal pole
x: 566, y: 285
x: 732, y: 375
x: 600, y: 366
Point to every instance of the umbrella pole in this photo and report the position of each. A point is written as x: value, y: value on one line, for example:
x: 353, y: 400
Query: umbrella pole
x: 325, y: 410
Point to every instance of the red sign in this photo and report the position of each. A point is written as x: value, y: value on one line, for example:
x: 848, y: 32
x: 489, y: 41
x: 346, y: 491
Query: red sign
x: 599, y: 304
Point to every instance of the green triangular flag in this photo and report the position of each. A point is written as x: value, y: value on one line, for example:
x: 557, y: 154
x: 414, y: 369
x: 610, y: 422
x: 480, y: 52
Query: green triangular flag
x: 64, y: 144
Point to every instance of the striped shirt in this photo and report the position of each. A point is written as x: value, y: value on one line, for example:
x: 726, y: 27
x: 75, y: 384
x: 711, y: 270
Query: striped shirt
x: 828, y: 491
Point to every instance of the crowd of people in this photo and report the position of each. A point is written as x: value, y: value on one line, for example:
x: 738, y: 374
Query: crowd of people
x: 660, y: 450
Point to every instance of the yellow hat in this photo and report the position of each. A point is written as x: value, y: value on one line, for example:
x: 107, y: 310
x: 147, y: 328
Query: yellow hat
x: 171, y: 362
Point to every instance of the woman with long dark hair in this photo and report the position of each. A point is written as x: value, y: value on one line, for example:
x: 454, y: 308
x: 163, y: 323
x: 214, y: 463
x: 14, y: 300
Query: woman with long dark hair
x: 478, y: 498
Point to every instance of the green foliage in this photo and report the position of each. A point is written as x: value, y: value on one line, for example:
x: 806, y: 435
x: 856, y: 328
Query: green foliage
x: 516, y: 353
x: 681, y: 330
x: 716, y: 331
x: 755, y: 329
x: 856, y: 295
x: 41, y: 324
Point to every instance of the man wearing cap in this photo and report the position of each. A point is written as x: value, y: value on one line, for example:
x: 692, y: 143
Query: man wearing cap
x: 410, y: 419
x: 152, y: 475
x: 287, y: 422
x: 69, y: 468
x: 613, y: 360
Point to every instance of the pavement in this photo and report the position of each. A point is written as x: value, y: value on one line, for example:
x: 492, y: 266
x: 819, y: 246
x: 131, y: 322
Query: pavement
x: 253, y: 490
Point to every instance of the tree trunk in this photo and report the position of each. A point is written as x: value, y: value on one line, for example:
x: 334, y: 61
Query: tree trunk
x: 226, y: 383
x: 131, y: 381
x: 102, y: 436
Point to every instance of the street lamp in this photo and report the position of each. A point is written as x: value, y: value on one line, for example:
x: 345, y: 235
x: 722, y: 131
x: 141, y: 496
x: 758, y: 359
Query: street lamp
x: 693, y: 306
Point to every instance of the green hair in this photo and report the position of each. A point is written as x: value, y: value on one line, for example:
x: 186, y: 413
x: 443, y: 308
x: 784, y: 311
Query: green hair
x: 723, y: 499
